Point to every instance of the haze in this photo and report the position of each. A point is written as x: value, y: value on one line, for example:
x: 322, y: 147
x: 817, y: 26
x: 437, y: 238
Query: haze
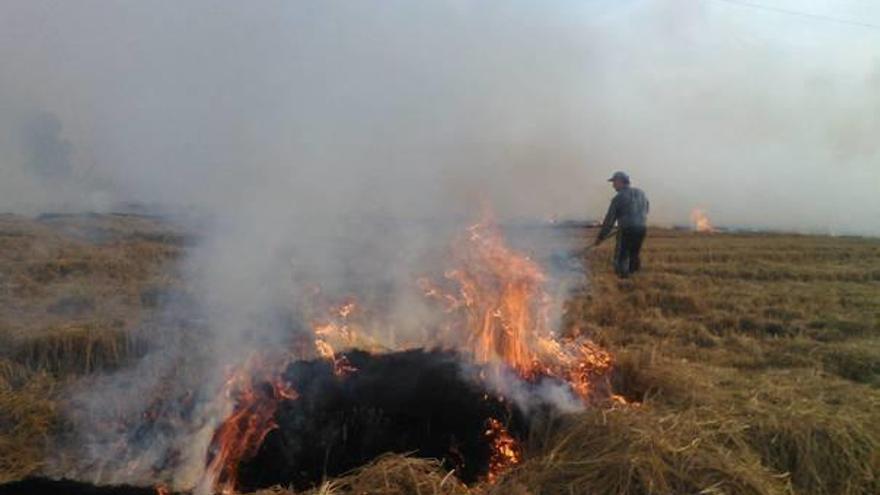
x: 423, y: 109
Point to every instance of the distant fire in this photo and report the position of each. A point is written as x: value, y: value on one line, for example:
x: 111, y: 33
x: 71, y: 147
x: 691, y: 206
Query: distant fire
x: 495, y: 311
x: 701, y: 222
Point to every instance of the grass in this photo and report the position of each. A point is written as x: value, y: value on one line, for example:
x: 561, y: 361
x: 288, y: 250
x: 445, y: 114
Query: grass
x: 27, y: 419
x: 70, y: 303
x: 636, y: 450
x: 752, y: 362
x: 774, y: 338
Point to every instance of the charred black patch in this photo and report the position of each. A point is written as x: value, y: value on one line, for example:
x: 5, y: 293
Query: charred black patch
x: 46, y: 486
x: 417, y: 402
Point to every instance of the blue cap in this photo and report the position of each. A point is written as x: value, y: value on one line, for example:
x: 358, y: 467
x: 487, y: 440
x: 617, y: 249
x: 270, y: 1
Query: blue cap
x: 619, y: 175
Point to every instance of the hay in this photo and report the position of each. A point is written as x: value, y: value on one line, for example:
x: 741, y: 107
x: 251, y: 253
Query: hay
x: 390, y: 474
x: 818, y: 430
x: 642, y: 375
x: 77, y: 349
x: 827, y: 440
x: 642, y: 450
x: 27, y: 418
x: 397, y: 475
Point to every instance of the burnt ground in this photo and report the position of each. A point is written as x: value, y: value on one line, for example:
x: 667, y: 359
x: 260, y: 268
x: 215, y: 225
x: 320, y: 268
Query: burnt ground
x: 45, y: 486
x: 426, y: 403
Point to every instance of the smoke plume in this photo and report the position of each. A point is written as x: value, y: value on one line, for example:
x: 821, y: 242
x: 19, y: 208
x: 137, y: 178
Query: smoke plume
x: 328, y: 108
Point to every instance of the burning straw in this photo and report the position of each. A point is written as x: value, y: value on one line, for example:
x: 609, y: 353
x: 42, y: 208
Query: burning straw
x: 495, y: 313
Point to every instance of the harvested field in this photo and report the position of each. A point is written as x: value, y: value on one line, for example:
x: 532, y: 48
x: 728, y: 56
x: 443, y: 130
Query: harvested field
x: 75, y: 290
x: 751, y: 362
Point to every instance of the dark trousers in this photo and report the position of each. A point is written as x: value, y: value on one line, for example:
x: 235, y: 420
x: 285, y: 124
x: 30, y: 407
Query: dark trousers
x: 626, y: 256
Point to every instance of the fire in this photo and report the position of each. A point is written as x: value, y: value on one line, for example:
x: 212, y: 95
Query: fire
x: 336, y: 333
x: 256, y: 389
x: 495, y: 310
x: 701, y: 221
x: 500, y: 301
x: 255, y: 392
x: 578, y: 362
x: 499, y: 311
x: 506, y: 451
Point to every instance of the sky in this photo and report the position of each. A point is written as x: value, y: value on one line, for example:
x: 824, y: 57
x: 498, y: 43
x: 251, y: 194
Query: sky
x: 762, y: 118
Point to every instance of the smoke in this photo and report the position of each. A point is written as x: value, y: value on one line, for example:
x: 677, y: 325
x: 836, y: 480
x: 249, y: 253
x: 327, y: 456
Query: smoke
x: 46, y: 152
x: 419, y: 109
x: 328, y: 143
x: 531, y: 399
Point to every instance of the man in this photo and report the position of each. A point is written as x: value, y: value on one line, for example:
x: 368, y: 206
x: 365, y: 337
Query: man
x: 629, y: 209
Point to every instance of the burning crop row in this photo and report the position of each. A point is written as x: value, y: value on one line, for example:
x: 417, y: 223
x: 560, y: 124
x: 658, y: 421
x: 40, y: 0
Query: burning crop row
x: 499, y: 312
x: 496, y: 316
x: 334, y: 395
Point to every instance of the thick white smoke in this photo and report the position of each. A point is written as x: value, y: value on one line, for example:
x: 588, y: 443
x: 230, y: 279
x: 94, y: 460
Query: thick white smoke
x: 411, y: 108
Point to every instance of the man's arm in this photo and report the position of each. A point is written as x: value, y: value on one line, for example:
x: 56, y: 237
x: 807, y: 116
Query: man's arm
x: 608, y: 224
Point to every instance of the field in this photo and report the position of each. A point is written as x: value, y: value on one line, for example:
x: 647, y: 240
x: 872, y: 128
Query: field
x: 751, y: 362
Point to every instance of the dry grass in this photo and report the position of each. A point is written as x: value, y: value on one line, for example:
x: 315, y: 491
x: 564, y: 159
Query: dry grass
x: 774, y: 339
x: 754, y: 360
x: 27, y: 417
x: 84, y: 275
x: 396, y: 475
x: 390, y: 474
x: 818, y: 430
x: 647, y: 450
x: 77, y: 349
x: 71, y: 298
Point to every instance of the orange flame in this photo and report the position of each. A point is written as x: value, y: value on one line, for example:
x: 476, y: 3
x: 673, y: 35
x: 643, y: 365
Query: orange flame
x: 335, y: 333
x: 506, y: 451
x: 499, y: 312
x: 496, y: 310
x: 500, y: 296
x: 701, y: 221
x: 255, y: 395
x: 255, y: 391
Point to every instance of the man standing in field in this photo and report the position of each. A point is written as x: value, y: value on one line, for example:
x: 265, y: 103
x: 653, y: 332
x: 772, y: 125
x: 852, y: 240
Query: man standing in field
x: 629, y: 209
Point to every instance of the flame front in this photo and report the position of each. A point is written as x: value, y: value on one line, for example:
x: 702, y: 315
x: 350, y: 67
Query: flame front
x: 701, y: 222
x: 334, y: 333
x: 496, y: 300
x: 255, y: 391
x: 499, y: 311
x: 495, y: 309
